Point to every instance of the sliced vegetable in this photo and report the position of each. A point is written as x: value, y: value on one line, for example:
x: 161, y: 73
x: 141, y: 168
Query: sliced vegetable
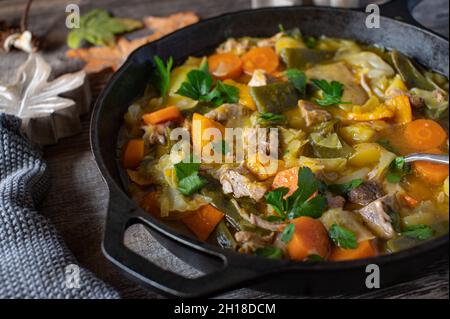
x: 343, y: 189
x: 409, y: 73
x: 288, y: 179
x: 287, y: 42
x: 263, y: 58
x: 298, y: 79
x: 365, y: 249
x: 357, y: 133
x: 424, y: 134
x: 200, y: 124
x: 170, y: 113
x: 133, y: 153
x: 150, y: 203
x: 402, y: 109
x: 274, y: 98
x: 225, y: 66
x: 203, y: 221
x: 309, y: 238
x: 433, y: 173
x: 244, y: 94
x: 302, y: 58
x: 409, y: 201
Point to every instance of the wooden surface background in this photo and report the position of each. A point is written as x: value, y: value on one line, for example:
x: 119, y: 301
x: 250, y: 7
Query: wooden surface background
x: 78, y: 198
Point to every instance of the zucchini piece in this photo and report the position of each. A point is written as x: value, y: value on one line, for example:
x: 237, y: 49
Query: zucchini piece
x: 303, y: 58
x: 224, y: 237
x: 275, y: 98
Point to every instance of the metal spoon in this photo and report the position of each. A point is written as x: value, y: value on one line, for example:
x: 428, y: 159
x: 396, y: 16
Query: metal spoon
x: 432, y: 158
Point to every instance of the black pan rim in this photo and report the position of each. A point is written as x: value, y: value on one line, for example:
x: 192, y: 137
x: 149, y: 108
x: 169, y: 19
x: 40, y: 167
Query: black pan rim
x: 215, y: 250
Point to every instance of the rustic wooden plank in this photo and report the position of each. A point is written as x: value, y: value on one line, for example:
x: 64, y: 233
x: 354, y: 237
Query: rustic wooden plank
x: 77, y: 199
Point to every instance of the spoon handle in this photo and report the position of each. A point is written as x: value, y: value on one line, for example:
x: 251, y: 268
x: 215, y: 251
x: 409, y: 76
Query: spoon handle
x: 432, y: 158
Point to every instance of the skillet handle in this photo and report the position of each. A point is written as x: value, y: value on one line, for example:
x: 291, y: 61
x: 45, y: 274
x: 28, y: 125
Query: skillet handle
x: 401, y: 10
x: 148, y: 273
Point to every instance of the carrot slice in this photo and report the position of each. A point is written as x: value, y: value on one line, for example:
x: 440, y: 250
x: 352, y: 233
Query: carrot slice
x: 287, y: 178
x: 225, y: 66
x: 263, y: 58
x: 203, y: 221
x: 365, y: 249
x: 424, y: 134
x: 409, y: 201
x: 310, y: 238
x: 133, y: 153
x: 166, y: 114
x: 150, y: 203
x: 433, y: 173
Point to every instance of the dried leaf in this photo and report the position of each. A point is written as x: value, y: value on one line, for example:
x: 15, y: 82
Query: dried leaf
x: 100, y: 58
x: 166, y: 25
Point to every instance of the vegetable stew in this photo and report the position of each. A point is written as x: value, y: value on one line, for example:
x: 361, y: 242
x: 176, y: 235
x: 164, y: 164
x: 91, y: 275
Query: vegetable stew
x: 329, y: 180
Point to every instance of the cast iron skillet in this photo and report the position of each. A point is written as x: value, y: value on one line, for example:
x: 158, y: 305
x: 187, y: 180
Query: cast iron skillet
x: 226, y: 269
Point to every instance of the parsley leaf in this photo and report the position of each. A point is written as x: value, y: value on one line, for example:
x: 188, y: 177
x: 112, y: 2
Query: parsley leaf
x: 342, y: 189
x: 161, y: 77
x: 397, y: 170
x: 298, y: 80
x: 189, y: 182
x: 198, y: 87
x: 271, y: 118
x: 332, y: 92
x: 421, y: 232
x: 269, y: 252
x: 305, y: 201
x: 276, y: 199
x: 287, y: 234
x: 342, y: 237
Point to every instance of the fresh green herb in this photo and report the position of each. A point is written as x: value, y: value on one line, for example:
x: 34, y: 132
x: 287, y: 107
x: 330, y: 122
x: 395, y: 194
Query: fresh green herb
x: 421, y: 232
x: 269, y: 252
x: 302, y: 202
x: 310, y: 42
x: 161, y: 77
x: 287, y: 234
x: 274, y: 218
x: 395, y: 220
x: 98, y: 27
x: 387, y: 145
x: 343, y: 189
x: 276, y: 199
x: 189, y: 182
x: 199, y: 87
x: 315, y: 258
x: 342, y: 237
x: 298, y: 80
x: 332, y: 92
x: 271, y: 118
x: 281, y: 28
x: 397, y: 170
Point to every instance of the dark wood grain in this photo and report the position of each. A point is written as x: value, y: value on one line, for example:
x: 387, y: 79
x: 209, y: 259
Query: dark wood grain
x: 77, y: 199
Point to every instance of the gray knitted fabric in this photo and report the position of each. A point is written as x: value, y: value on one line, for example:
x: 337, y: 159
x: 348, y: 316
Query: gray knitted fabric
x: 33, y: 258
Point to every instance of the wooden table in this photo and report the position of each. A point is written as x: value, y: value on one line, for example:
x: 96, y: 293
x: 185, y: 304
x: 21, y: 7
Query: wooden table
x: 77, y: 200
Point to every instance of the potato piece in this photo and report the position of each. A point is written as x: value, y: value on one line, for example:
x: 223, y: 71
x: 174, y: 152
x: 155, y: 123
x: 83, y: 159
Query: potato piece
x: 366, y: 155
x: 357, y: 133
